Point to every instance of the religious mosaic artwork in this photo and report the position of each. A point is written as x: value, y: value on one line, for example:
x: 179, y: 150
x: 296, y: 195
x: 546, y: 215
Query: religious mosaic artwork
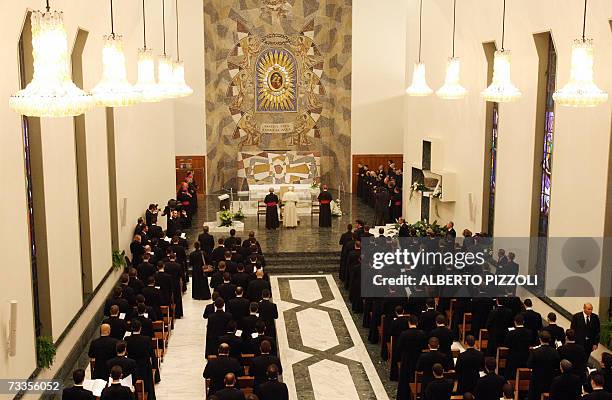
x: 266, y: 85
x: 292, y: 167
x: 278, y: 80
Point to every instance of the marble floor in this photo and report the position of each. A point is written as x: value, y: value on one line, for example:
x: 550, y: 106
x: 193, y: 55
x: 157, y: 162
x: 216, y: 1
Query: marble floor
x: 323, y: 355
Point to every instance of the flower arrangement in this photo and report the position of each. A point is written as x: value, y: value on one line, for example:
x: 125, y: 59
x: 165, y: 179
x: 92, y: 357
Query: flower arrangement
x: 437, y: 193
x: 226, y: 217
x: 239, y: 215
x: 420, y: 228
x: 417, y: 187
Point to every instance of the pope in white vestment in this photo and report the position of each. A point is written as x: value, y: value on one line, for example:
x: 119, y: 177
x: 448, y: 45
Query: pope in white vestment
x: 290, y: 199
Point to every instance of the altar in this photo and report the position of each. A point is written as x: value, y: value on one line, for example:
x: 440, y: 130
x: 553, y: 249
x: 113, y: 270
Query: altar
x: 304, y: 191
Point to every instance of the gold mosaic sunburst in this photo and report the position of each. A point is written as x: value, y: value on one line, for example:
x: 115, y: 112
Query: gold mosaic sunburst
x: 276, y: 82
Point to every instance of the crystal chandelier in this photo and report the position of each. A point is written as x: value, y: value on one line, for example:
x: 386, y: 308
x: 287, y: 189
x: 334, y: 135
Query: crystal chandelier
x: 114, y: 90
x: 178, y: 72
x: 419, y: 85
x: 51, y: 93
x: 165, y: 66
x: 452, y: 89
x: 581, y: 91
x: 501, y: 88
x: 146, y: 86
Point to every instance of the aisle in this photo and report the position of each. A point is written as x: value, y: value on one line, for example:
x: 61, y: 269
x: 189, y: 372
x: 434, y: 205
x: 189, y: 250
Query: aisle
x: 184, y: 362
x: 322, y: 353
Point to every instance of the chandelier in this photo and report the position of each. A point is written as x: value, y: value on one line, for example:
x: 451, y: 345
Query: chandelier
x: 114, y: 90
x: 452, y: 89
x: 581, y: 91
x: 501, y: 88
x: 51, y: 93
x: 146, y: 86
x: 165, y: 66
x: 419, y: 85
x: 178, y: 72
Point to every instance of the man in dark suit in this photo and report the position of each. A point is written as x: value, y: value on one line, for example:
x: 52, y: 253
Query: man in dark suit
x: 254, y: 344
x: 210, y: 308
x: 597, y: 383
x: 230, y: 264
x: 500, y: 319
x: 140, y: 349
x: 76, y: 392
x: 444, y: 335
x: 260, y: 364
x: 153, y: 296
x: 490, y: 386
x: 217, y: 368
x: 566, y: 386
x: 117, y: 298
x: 145, y: 321
x: 409, y: 346
x: 217, y: 325
x: 518, y: 342
x: 116, y: 391
x: 257, y: 286
x: 248, y: 323
x: 241, y: 277
x: 177, y: 272
x: 163, y: 280
x: 229, y: 392
x: 218, y: 253
x: 272, y: 389
x: 235, y: 343
x: 101, y: 350
x: 117, y: 325
x: 207, y: 241
x: 469, y: 365
x: 587, y: 328
x: 398, y: 324
x: 238, y: 306
x: 427, y: 320
x: 533, y: 320
x: 216, y: 279
x: 128, y: 365
x: 544, y: 362
x: 268, y: 312
x: 575, y: 354
x: 439, y: 388
x: 557, y: 334
x: 481, y: 308
x: 227, y: 290
x: 427, y: 360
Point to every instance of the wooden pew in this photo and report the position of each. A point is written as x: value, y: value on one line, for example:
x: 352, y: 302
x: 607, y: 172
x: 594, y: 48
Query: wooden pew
x: 139, y: 390
x: 449, y: 317
x: 502, y: 359
x: 246, y: 360
x: 161, y: 336
x: 483, y: 339
x: 415, y: 387
x: 466, y: 326
x: 246, y: 384
x: 521, y: 385
x: 167, y: 318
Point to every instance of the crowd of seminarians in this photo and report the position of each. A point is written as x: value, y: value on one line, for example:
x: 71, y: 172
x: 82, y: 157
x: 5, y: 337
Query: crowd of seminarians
x: 422, y: 339
x: 381, y: 188
x: 240, y: 317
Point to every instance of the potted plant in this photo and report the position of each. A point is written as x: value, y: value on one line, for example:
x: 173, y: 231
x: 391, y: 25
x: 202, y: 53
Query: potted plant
x: 45, y: 351
x: 226, y: 217
x: 119, y: 259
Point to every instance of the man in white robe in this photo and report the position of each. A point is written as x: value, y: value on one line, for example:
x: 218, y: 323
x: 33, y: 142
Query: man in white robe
x: 290, y: 199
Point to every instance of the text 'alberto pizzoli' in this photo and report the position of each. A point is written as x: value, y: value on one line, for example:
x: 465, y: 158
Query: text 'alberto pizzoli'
x: 456, y: 280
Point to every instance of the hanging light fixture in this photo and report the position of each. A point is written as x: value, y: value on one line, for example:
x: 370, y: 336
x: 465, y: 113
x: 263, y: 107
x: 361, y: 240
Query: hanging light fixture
x: 178, y: 72
x: 581, y: 91
x: 419, y: 85
x: 165, y: 66
x: 146, y: 86
x: 452, y: 89
x: 501, y: 88
x: 114, y: 90
x: 51, y: 93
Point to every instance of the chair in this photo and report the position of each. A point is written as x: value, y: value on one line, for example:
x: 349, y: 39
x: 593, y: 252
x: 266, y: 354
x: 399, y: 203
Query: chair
x: 451, y: 310
x: 160, y: 334
x: 483, y: 339
x: 261, y: 209
x: 139, y: 390
x: 159, y: 352
x: 415, y: 387
x: 246, y: 384
x: 167, y: 318
x: 246, y: 360
x: 521, y: 385
x: 502, y: 358
x: 466, y: 326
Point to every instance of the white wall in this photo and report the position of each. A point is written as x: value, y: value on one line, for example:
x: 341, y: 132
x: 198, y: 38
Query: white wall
x: 189, y: 112
x: 145, y: 155
x: 582, y: 136
x: 378, y: 78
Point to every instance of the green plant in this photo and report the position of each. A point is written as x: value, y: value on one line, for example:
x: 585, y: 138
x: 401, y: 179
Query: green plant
x: 226, y: 217
x: 239, y: 215
x: 45, y: 351
x: 119, y: 259
x: 606, y: 333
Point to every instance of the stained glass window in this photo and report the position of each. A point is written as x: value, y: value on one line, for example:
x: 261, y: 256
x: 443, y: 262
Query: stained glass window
x: 493, y: 168
x: 547, y: 152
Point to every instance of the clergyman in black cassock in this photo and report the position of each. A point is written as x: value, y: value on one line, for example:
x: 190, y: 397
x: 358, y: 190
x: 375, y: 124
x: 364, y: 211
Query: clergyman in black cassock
x: 271, y: 201
x: 325, y: 216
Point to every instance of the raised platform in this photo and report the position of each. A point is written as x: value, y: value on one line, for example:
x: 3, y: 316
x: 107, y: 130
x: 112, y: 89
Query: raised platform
x: 258, y: 192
